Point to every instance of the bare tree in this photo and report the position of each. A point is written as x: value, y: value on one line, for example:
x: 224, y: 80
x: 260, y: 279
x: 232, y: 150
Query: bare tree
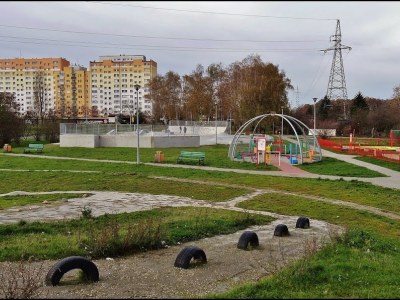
x: 11, y: 125
x: 396, y: 92
x: 39, y: 94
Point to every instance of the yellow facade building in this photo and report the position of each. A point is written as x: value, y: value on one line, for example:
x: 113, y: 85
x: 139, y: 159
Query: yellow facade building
x: 19, y: 76
x: 113, y: 81
x: 73, y: 87
x: 108, y: 88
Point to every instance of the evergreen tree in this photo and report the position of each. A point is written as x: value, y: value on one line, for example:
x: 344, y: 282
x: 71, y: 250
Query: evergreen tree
x: 358, y: 104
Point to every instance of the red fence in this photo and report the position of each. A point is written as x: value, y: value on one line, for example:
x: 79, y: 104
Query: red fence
x: 387, y: 155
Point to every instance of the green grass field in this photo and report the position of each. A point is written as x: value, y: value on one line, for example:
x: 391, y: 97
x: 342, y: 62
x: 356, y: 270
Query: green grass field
x: 363, y: 263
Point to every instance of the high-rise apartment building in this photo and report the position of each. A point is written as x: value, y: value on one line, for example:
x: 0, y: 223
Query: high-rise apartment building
x: 23, y: 77
x: 72, y: 91
x: 72, y: 97
x: 113, y: 81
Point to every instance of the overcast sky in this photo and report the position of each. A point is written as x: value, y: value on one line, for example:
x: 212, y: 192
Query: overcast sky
x: 181, y: 35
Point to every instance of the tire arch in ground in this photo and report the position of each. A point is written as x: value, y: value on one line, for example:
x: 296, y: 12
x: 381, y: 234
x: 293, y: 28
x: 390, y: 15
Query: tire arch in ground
x: 186, y: 255
x: 281, y: 230
x: 248, y: 237
x: 303, y: 222
x: 67, y: 264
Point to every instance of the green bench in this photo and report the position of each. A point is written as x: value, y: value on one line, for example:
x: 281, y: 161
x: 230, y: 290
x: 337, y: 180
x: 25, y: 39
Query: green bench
x: 190, y: 155
x: 34, y: 148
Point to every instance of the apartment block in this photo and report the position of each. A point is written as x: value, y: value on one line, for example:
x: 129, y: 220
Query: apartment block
x: 22, y: 77
x: 113, y: 82
x: 72, y: 92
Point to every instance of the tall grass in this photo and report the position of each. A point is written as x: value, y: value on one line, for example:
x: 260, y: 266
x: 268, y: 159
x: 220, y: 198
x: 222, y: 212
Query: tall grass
x: 359, y: 265
x: 121, y: 234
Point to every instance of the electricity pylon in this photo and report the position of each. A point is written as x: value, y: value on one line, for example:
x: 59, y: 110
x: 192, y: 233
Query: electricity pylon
x: 337, y: 82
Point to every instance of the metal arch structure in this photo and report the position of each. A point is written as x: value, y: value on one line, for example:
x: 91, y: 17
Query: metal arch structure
x: 292, y: 122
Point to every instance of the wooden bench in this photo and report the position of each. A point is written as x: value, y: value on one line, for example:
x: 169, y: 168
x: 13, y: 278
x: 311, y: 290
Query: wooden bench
x: 189, y: 155
x: 34, y: 148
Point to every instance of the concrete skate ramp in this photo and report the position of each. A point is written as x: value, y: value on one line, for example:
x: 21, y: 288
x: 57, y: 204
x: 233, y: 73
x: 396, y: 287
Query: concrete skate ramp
x: 197, y: 130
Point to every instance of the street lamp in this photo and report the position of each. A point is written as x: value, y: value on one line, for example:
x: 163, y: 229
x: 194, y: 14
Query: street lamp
x: 315, y: 116
x: 216, y: 118
x: 137, y: 87
x: 120, y: 98
x: 282, y: 124
x: 315, y: 100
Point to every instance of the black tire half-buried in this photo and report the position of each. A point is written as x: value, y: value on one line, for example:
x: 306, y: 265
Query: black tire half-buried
x: 248, y: 237
x: 303, y: 222
x: 281, y: 230
x: 187, y: 254
x: 67, y: 264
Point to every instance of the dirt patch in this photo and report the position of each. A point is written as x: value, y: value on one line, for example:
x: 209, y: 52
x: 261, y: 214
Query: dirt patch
x: 153, y: 275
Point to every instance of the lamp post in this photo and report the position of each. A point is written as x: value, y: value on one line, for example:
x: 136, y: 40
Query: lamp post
x: 315, y: 116
x: 216, y: 118
x: 282, y: 123
x: 120, y: 98
x: 137, y: 87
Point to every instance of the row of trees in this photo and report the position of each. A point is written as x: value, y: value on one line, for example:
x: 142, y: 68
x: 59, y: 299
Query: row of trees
x: 361, y: 115
x: 240, y: 91
x: 251, y: 87
x: 13, y: 126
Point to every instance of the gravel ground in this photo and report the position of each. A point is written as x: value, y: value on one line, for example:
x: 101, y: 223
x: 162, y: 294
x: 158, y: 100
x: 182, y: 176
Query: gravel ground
x: 152, y: 274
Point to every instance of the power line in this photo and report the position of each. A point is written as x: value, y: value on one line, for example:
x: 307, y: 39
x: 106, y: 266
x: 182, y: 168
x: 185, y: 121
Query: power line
x: 159, y: 37
x: 211, y: 12
x: 320, y: 69
x: 147, y: 47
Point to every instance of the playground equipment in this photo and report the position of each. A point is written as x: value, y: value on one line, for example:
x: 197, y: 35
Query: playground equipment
x: 303, y: 147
